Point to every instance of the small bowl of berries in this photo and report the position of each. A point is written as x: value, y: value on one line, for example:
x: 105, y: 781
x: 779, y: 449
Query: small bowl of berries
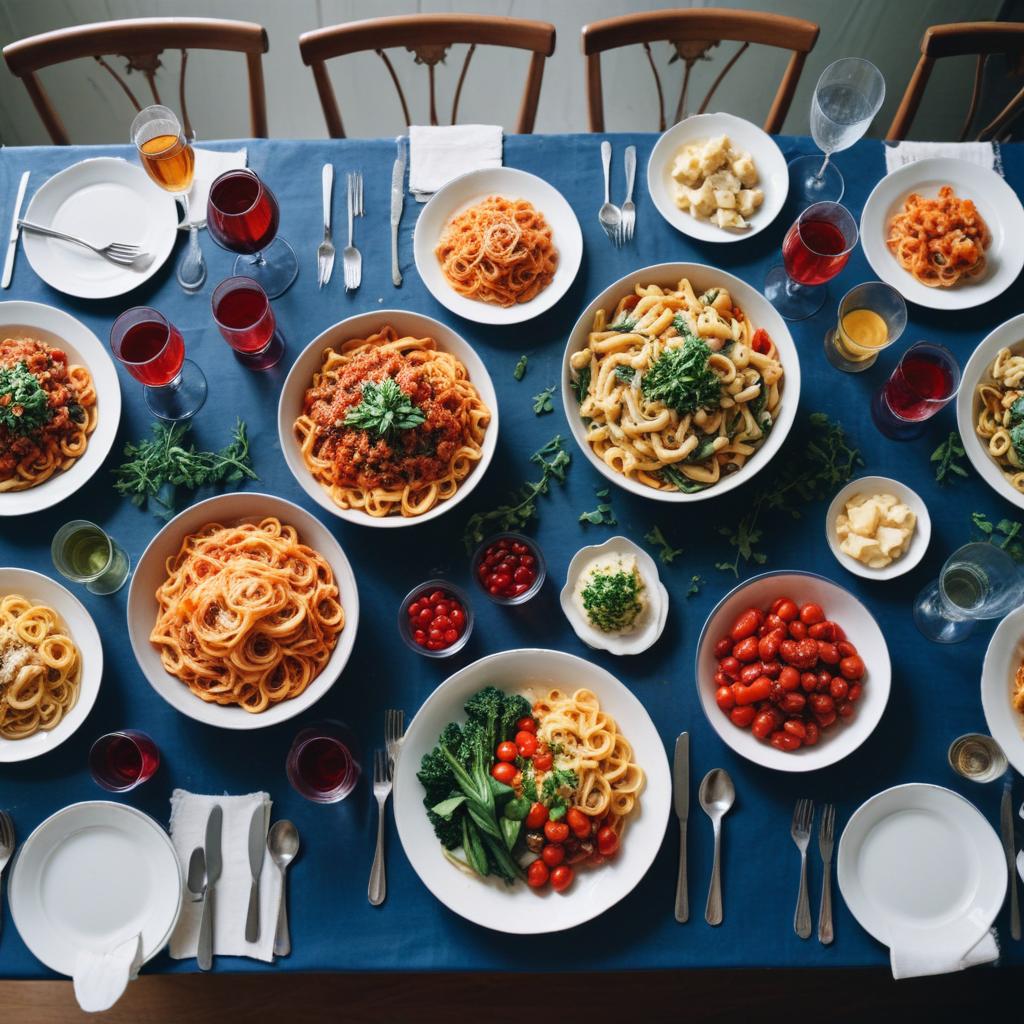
x: 510, y: 568
x: 435, y: 619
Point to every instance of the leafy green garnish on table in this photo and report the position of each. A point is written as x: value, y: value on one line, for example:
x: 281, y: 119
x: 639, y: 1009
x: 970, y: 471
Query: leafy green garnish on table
x: 696, y: 581
x: 542, y: 402
x: 666, y: 552
x: 554, y: 462
x: 603, y: 515
x: 681, y: 379
x: 520, y: 370
x: 155, y: 466
x: 24, y: 406
x: 384, y: 410
x: 946, y: 455
x: 1005, y: 534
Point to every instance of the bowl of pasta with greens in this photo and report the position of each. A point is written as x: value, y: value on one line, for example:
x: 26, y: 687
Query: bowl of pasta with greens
x: 680, y: 382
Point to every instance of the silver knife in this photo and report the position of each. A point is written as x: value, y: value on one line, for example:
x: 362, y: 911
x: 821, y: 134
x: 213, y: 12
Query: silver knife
x: 213, y: 868
x: 681, y: 787
x: 1006, y: 827
x: 257, y: 846
x: 397, y: 199
x: 12, y: 241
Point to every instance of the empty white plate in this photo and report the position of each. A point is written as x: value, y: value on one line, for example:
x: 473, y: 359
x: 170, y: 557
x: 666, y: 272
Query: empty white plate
x: 90, y: 877
x: 922, y: 870
x: 102, y: 200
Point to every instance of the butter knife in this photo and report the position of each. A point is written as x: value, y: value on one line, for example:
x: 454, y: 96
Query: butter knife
x: 257, y: 846
x: 681, y: 787
x: 1006, y: 827
x: 397, y: 199
x: 204, y: 954
x: 12, y: 241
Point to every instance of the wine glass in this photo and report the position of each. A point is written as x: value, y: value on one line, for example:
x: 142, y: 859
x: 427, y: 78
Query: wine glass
x: 85, y: 553
x: 323, y: 763
x: 815, y: 249
x: 925, y: 379
x: 168, y: 158
x: 242, y: 215
x: 120, y: 761
x: 152, y: 350
x: 849, y: 93
x: 246, y: 320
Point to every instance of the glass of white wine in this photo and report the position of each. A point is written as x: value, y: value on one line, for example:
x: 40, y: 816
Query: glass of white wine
x: 849, y: 93
x: 871, y: 317
x: 85, y: 553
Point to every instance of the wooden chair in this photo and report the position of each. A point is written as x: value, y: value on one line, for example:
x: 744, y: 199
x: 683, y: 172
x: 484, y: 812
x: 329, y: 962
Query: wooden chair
x: 140, y: 42
x: 982, y: 38
x: 428, y: 37
x: 693, y: 33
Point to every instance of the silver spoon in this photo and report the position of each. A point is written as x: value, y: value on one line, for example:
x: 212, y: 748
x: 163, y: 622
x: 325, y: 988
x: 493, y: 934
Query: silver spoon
x: 609, y: 215
x: 283, y: 844
x: 717, y: 794
x: 197, y: 886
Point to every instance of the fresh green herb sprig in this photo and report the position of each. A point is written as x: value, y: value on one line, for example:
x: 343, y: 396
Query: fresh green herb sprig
x: 666, y: 552
x: 947, y: 455
x: 24, y: 406
x: 520, y: 369
x: 1006, y: 534
x: 681, y: 378
x: 384, y: 410
x: 696, y: 581
x: 542, y: 402
x: 603, y: 515
x: 581, y: 384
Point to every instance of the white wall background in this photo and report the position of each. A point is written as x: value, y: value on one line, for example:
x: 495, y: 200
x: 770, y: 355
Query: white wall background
x: 94, y: 109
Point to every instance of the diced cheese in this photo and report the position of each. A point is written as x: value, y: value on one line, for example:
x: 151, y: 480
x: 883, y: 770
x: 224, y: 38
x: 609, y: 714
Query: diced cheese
x: 864, y: 519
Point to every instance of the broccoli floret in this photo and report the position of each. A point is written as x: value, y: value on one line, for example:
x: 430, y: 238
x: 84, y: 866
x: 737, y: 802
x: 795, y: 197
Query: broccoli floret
x: 435, y: 772
x: 447, y: 830
x: 513, y: 708
x: 1017, y: 440
x: 484, y: 708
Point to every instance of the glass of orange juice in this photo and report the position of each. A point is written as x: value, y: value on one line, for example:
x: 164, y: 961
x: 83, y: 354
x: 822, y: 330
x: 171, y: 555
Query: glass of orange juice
x: 168, y: 158
x: 871, y: 317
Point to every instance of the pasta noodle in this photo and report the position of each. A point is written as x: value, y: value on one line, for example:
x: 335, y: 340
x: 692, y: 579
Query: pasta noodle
x: 248, y: 614
x: 499, y: 251
x: 998, y: 415
x: 40, y: 668
x: 1017, y: 697
x: 668, y: 444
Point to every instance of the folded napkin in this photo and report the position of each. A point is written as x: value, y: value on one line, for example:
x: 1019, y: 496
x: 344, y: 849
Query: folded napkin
x: 981, y: 153
x: 209, y: 164
x: 189, y: 812
x: 101, y: 978
x: 438, y: 154
x: 913, y: 963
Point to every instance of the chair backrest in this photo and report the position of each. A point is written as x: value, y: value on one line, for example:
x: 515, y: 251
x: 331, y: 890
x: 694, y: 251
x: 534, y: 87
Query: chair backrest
x: 428, y: 37
x: 140, y: 41
x: 959, y: 39
x: 693, y: 33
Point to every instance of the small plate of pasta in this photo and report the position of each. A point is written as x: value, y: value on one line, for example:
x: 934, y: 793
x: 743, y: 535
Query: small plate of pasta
x: 680, y: 382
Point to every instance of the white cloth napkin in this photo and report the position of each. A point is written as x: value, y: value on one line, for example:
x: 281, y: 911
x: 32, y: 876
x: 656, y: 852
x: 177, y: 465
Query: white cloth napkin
x: 189, y: 812
x: 438, y: 154
x: 913, y: 963
x: 101, y: 978
x: 209, y: 164
x: 981, y: 153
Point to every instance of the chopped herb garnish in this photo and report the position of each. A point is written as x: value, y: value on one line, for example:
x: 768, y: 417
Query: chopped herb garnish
x: 581, y: 384
x: 946, y: 455
x: 625, y: 373
x: 695, y: 584
x: 542, y: 401
x: 611, y: 598
x: 384, y: 410
x: 681, y: 379
x: 666, y: 552
x: 520, y: 371
x: 623, y: 326
x: 24, y: 406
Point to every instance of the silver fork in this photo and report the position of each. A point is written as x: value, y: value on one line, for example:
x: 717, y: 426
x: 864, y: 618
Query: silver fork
x: 628, y: 222
x: 377, y: 889
x: 325, y: 251
x: 609, y: 215
x: 826, y: 837
x: 351, y: 260
x: 6, y: 849
x: 803, y: 816
x: 122, y: 253
x: 394, y: 730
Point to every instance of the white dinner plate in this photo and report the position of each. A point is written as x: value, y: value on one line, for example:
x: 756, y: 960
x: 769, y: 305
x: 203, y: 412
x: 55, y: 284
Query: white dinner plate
x: 1007, y: 335
x: 518, y: 909
x: 997, y: 204
x: 468, y: 190
x: 229, y: 509
x: 102, y: 200
x: 759, y: 311
x: 300, y: 377
x: 78, y: 624
x: 772, y: 173
x: 90, y: 877
x: 63, y: 331
x: 1003, y: 657
x: 843, y: 737
x: 922, y: 870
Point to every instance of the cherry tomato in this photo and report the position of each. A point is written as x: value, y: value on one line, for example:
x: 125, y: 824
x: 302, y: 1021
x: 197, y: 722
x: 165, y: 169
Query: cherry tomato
x: 756, y: 691
x: 795, y: 727
x: 578, y: 822
x: 746, y: 649
x: 607, y: 841
x: 839, y: 688
x: 536, y: 816
x: 543, y: 762
x: 787, y: 609
x: 747, y: 624
x: 792, y: 703
x: 761, y: 341
x: 743, y: 716
x: 785, y: 741
x: 561, y: 878
x: 504, y: 772
x: 506, y: 751
x: 764, y: 725
x: 798, y: 630
x: 852, y: 667
x: 552, y: 854
x: 730, y: 666
x: 526, y: 743
x: 556, y: 831
x: 789, y: 678
x: 527, y: 724
x: 537, y: 874
x: 724, y: 698
x: 811, y: 614
x: 723, y: 647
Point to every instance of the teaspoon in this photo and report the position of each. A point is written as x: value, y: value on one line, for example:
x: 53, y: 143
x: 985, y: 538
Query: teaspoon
x: 283, y: 844
x: 717, y: 794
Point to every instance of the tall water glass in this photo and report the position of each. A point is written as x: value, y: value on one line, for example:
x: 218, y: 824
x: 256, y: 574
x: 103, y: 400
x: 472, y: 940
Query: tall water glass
x: 925, y: 379
x: 85, y: 553
x: 872, y: 317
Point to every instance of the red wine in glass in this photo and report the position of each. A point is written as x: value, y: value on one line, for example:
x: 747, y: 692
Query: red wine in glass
x: 321, y: 765
x: 814, y: 251
x: 120, y: 761
x: 925, y: 380
x: 152, y: 351
x: 242, y: 214
x: 246, y: 320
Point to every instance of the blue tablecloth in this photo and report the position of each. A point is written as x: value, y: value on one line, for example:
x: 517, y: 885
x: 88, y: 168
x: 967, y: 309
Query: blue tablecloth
x: 934, y: 689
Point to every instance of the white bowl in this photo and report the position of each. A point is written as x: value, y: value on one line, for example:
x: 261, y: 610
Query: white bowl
x: 520, y: 910
x: 759, y: 311
x: 1004, y: 654
x: 1007, y: 335
x: 771, y: 167
x: 861, y: 629
x: 468, y: 190
x: 82, y: 630
x: 300, y: 377
x: 657, y: 596
x: 919, y: 539
x: 229, y: 509
x: 63, y: 331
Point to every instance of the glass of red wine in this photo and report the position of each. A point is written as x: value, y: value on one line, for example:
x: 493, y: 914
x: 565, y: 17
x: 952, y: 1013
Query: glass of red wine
x: 243, y: 313
x: 814, y: 250
x: 323, y: 763
x: 242, y: 215
x: 926, y: 379
x: 152, y: 350
x: 120, y: 761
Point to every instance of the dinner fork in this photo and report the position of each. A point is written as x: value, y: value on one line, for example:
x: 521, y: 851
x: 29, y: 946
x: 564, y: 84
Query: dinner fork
x: 325, y: 251
x: 351, y: 260
x: 394, y: 730
x: 122, y: 253
x: 826, y: 836
x: 628, y: 222
x: 377, y: 889
x: 803, y: 816
x: 6, y: 849
x: 609, y: 215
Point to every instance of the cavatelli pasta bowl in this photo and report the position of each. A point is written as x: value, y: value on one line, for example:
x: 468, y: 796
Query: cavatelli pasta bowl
x: 680, y: 382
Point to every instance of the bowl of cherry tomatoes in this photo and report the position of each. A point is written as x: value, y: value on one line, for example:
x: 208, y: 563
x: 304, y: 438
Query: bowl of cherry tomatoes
x: 509, y: 568
x: 435, y: 619
x: 792, y: 671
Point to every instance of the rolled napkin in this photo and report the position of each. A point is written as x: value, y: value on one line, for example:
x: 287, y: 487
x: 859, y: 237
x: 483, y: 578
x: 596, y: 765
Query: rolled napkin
x: 981, y: 153
x: 913, y: 963
x: 101, y: 978
x: 209, y: 164
x: 439, y: 154
x: 189, y: 812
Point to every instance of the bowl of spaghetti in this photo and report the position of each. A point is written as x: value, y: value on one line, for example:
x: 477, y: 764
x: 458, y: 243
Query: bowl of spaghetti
x: 498, y: 246
x: 243, y: 611
x: 680, y: 382
x: 51, y: 664
x: 388, y: 419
